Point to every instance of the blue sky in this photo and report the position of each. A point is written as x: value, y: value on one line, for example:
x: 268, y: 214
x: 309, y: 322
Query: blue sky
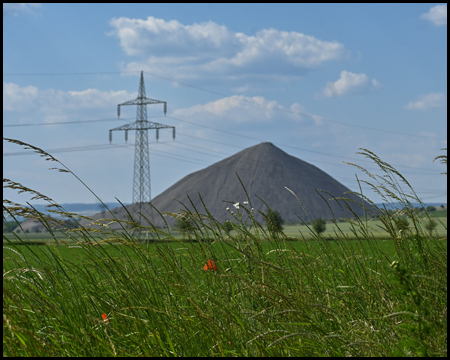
x: 319, y: 81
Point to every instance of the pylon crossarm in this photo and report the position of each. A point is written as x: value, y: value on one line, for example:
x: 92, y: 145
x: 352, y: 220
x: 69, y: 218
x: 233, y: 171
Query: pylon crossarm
x: 143, y: 125
x: 143, y: 101
x: 124, y: 127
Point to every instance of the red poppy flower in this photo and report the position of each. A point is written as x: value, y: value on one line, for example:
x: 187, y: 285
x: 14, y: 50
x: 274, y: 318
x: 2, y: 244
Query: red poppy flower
x: 105, y: 317
x: 211, y: 265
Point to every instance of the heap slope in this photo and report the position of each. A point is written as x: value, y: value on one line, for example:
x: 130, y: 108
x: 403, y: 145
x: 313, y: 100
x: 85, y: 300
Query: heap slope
x: 265, y: 171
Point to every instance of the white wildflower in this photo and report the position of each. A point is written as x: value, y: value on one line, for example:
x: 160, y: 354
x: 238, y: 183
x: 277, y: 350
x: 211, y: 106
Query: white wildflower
x: 236, y: 205
x: 228, y: 209
x: 245, y: 202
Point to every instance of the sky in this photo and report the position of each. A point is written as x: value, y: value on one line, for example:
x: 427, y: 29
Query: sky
x: 319, y: 81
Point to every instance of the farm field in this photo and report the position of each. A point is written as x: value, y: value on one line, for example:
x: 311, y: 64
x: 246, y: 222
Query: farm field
x: 292, y: 231
x: 375, y: 288
x: 374, y: 227
x: 75, y: 254
x: 245, y: 297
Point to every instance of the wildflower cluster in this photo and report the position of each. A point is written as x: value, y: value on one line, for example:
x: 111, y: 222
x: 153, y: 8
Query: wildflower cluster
x: 237, y: 206
x: 210, y: 265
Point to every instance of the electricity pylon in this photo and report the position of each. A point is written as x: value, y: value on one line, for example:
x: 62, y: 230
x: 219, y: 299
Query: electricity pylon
x: 141, y: 178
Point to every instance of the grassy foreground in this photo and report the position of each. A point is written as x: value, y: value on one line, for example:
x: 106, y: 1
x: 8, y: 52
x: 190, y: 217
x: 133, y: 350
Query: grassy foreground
x: 250, y: 293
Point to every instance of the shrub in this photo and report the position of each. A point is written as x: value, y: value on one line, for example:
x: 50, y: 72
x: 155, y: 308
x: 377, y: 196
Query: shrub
x: 402, y: 223
x: 274, y: 221
x: 430, y: 225
x: 184, y: 223
x: 319, y: 225
x: 227, y: 226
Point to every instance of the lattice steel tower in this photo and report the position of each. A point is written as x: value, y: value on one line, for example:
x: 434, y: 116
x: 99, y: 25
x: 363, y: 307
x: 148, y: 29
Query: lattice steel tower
x: 141, y: 177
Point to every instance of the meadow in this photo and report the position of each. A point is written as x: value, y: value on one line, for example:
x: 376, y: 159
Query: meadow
x: 249, y: 292
x: 291, y: 231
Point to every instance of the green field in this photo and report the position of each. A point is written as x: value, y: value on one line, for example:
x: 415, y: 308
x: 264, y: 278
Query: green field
x: 298, y: 231
x: 75, y: 254
x: 354, y: 290
x: 361, y: 288
x: 271, y: 298
x: 374, y: 226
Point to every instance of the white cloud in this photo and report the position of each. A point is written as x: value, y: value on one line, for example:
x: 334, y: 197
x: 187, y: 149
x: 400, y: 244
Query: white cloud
x: 13, y: 9
x: 433, y: 100
x: 13, y: 96
x: 236, y: 109
x: 241, y: 109
x: 437, y: 15
x: 53, y: 104
x: 210, y: 49
x: 93, y: 98
x: 350, y: 84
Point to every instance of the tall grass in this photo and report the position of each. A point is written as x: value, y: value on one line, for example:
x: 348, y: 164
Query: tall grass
x: 265, y: 299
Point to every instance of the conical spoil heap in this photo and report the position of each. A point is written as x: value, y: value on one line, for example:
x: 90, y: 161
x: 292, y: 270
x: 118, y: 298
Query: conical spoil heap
x: 265, y: 171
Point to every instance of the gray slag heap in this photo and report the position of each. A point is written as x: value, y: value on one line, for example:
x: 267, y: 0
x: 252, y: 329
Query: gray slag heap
x: 265, y: 171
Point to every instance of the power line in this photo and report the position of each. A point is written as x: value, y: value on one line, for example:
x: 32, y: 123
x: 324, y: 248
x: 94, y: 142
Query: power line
x: 227, y: 95
x: 108, y: 146
x: 325, y: 162
x: 209, y: 127
x: 227, y: 132
x: 204, y: 126
x: 73, y: 122
x: 189, y: 159
x: 170, y: 156
x: 64, y: 122
x: 171, y: 144
x: 209, y: 150
x: 288, y: 146
x: 207, y: 140
x: 219, y: 130
x: 67, y: 149
x: 201, y: 148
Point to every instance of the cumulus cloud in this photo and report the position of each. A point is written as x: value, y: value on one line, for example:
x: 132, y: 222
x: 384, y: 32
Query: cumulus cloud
x: 56, y: 105
x: 13, y: 9
x: 350, y: 84
x: 433, y: 100
x: 13, y: 96
x: 236, y: 109
x: 211, y: 49
x: 437, y: 15
x: 52, y: 104
x: 240, y: 109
